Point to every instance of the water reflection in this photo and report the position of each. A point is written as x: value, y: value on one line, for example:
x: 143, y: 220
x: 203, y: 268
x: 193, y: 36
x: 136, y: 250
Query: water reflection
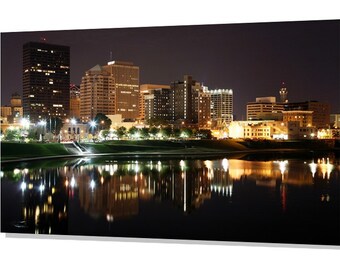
x: 114, y: 190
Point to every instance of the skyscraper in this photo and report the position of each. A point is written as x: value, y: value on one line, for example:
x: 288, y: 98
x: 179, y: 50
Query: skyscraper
x: 74, y: 101
x: 46, y: 80
x: 97, y: 93
x: 126, y: 80
x: 184, y: 100
x: 221, y: 107
x: 110, y: 89
x: 157, y: 104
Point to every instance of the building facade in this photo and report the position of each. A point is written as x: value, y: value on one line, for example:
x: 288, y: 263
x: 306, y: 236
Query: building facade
x: 74, y: 101
x: 14, y: 112
x: 46, y: 81
x: 145, y: 89
x: 304, y: 118
x: 264, y: 108
x: 321, y: 111
x: 157, y: 105
x: 97, y: 93
x: 126, y: 82
x: 221, y: 107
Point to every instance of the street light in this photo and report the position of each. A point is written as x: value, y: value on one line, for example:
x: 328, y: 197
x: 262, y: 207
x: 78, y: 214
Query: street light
x: 93, y: 124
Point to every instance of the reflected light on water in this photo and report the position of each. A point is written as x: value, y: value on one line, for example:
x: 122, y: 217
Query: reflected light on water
x: 23, y: 186
x: 225, y: 164
x: 92, y: 184
x: 73, y: 182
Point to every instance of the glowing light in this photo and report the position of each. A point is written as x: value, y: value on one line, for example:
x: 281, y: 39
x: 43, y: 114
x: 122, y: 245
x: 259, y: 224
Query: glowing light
x: 93, y: 124
x: 313, y: 166
x: 225, y: 164
x: 92, y: 184
x: 25, y: 123
x: 182, y: 164
x: 283, y: 166
x: 73, y: 182
x: 42, y: 123
x: 23, y: 186
x: 41, y: 187
x: 73, y: 121
x: 16, y: 171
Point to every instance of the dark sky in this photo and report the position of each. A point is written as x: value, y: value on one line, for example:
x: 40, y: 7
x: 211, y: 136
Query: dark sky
x: 252, y: 59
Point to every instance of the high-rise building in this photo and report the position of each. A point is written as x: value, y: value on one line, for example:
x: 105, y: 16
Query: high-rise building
x: 126, y: 81
x: 74, y: 101
x: 46, y: 80
x: 184, y: 100
x: 157, y: 104
x: 97, y: 93
x: 204, y: 108
x: 321, y: 111
x: 145, y: 89
x: 221, y: 107
x: 265, y: 108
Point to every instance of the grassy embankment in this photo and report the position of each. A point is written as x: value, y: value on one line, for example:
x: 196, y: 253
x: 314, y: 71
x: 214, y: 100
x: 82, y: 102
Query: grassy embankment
x: 12, y: 151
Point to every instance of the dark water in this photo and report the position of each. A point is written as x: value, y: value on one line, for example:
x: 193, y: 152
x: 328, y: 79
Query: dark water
x: 272, y: 201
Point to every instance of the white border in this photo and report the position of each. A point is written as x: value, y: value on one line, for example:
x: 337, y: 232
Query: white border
x: 79, y: 253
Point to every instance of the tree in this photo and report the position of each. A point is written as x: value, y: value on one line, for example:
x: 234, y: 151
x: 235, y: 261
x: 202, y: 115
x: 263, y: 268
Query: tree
x: 166, y: 131
x: 144, y: 133
x: 157, y: 122
x: 133, y: 131
x: 103, y: 121
x: 153, y: 131
x: 12, y: 134
x: 121, y: 132
x: 105, y: 134
x: 204, y: 134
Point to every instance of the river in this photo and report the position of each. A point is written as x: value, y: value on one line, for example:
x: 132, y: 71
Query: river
x: 293, y: 200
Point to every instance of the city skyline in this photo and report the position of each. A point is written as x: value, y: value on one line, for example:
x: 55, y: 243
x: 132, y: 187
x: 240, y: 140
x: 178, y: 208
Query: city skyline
x: 252, y: 59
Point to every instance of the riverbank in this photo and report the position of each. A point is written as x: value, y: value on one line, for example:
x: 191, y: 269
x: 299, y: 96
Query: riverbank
x: 16, y: 152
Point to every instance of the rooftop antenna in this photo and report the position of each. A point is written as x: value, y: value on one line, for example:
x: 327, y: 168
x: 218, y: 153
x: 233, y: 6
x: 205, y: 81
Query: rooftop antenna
x: 110, y: 56
x: 43, y: 39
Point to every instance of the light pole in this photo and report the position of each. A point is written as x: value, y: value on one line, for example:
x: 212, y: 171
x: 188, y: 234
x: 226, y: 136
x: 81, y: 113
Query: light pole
x: 93, y: 124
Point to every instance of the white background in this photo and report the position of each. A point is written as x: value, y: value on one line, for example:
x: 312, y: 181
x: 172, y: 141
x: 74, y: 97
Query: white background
x: 77, y: 252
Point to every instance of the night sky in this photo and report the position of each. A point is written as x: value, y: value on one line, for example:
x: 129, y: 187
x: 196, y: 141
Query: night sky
x: 252, y: 59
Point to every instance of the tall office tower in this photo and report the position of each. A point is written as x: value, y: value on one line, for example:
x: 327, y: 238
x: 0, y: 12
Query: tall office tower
x: 46, y: 80
x: 204, y: 108
x: 221, y: 107
x: 283, y: 93
x: 265, y: 108
x: 157, y: 104
x: 145, y: 89
x: 126, y: 81
x: 97, y: 93
x: 321, y: 111
x: 74, y: 101
x: 184, y: 100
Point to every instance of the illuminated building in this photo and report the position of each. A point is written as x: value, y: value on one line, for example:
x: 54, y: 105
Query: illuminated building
x: 46, y: 81
x: 204, y: 109
x: 185, y: 102
x: 264, y: 108
x: 110, y: 89
x: 221, y: 107
x: 14, y: 112
x: 321, y: 111
x: 303, y: 117
x: 126, y: 82
x: 335, y: 120
x: 145, y: 89
x: 157, y: 104
x: 258, y: 129
x: 97, y: 93
x: 74, y: 101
